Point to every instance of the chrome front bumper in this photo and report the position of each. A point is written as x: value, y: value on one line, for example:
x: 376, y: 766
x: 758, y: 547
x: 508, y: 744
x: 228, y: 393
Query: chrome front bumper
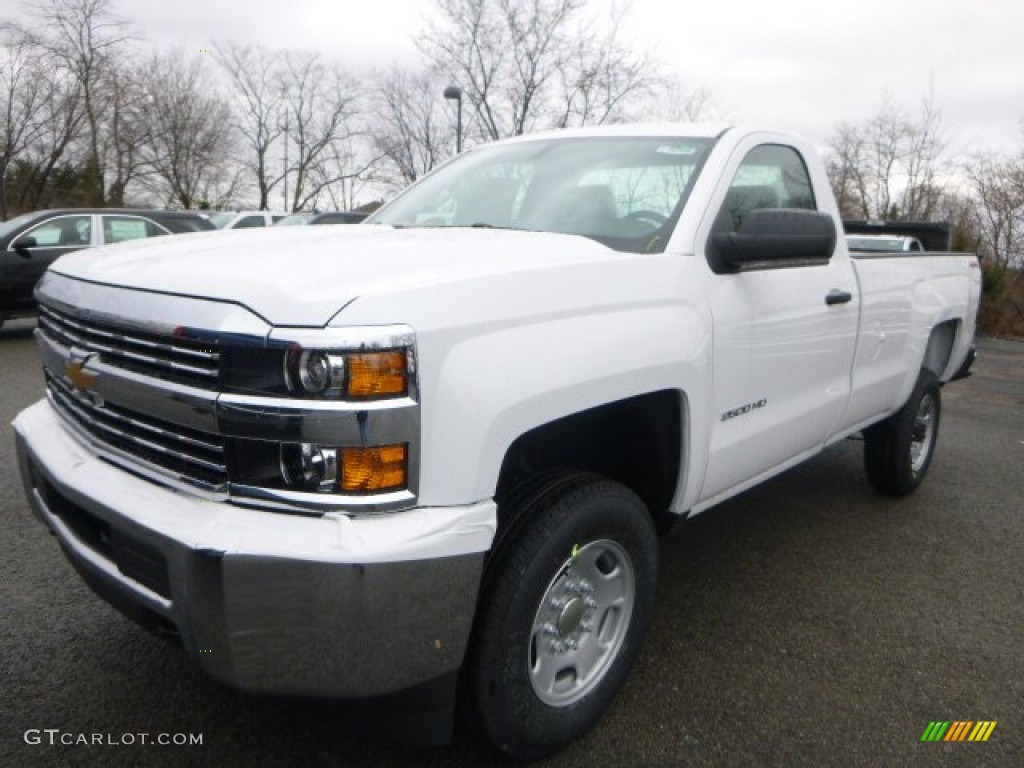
x: 324, y: 606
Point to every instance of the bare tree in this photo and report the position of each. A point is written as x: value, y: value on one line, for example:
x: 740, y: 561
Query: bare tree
x: 59, y: 115
x: 85, y: 39
x: 671, y: 99
x: 524, y: 64
x: 889, y: 166
x: 847, y: 171
x: 255, y: 75
x: 22, y: 91
x: 924, y: 161
x: 190, y: 129
x: 351, y: 166
x: 410, y: 130
x: 220, y: 187
x: 603, y: 76
x: 127, y: 132
x: 321, y: 103
x: 998, y: 187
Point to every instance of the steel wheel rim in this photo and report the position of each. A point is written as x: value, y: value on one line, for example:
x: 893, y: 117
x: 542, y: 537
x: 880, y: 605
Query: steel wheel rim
x: 581, y: 623
x: 922, y: 434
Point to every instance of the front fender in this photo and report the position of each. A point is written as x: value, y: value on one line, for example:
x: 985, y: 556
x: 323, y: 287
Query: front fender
x: 493, y: 387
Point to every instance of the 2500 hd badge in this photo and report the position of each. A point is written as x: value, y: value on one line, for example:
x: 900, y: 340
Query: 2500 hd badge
x: 744, y: 409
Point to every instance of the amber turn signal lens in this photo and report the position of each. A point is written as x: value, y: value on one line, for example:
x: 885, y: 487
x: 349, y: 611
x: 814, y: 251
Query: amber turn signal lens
x: 373, y: 374
x: 374, y: 470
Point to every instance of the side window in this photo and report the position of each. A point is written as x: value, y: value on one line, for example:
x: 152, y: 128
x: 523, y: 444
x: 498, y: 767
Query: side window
x: 770, y: 176
x: 63, y: 232
x: 118, y: 229
x: 250, y: 221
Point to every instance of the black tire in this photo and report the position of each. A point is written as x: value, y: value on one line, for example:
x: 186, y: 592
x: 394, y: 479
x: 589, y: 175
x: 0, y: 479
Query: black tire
x: 899, y: 450
x: 562, y: 532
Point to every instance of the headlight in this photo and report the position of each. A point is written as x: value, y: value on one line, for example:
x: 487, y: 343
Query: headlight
x: 378, y: 374
x: 353, y: 364
x: 351, y: 470
x: 322, y: 419
x: 348, y: 375
x: 309, y: 467
x: 314, y: 372
x: 374, y: 469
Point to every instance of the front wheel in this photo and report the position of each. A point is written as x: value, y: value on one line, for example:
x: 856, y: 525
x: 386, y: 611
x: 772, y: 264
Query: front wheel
x: 899, y: 450
x: 568, y: 595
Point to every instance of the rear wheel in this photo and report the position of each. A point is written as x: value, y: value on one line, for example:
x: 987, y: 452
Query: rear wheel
x: 899, y: 450
x: 567, y: 597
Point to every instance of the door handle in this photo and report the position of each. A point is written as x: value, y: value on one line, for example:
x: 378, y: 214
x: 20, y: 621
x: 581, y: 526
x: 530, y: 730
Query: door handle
x: 835, y: 296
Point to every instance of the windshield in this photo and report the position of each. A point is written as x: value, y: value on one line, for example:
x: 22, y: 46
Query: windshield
x: 625, y: 192
x: 12, y: 224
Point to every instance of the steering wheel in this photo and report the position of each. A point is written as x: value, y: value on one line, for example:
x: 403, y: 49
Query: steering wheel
x: 651, y: 217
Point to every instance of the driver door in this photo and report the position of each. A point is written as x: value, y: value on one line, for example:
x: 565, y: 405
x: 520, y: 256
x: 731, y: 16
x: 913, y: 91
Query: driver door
x: 782, y: 355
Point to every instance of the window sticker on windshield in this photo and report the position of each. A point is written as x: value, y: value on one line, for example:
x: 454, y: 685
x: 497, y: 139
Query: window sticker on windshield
x: 676, y: 149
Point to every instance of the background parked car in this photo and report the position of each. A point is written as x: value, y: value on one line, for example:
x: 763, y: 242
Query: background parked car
x: 31, y: 242
x: 244, y: 219
x: 883, y: 244
x: 324, y: 217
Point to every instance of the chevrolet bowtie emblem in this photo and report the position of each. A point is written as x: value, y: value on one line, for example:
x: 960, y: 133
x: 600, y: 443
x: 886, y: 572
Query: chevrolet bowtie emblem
x: 81, y: 379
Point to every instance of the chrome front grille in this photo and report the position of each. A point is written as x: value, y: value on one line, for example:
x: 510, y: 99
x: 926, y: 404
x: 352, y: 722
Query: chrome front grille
x: 202, y: 407
x: 181, y: 360
x: 190, y: 455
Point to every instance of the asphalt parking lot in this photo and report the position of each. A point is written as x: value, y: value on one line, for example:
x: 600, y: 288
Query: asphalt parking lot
x: 809, y: 622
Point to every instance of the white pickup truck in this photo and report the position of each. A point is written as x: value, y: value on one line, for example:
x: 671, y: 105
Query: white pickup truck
x: 428, y: 454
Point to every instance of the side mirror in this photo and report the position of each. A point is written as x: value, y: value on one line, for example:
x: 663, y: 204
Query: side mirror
x: 773, y: 238
x: 22, y: 244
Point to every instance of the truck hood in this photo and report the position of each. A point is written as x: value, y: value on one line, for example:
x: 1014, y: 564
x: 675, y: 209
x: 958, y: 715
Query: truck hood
x: 304, y: 276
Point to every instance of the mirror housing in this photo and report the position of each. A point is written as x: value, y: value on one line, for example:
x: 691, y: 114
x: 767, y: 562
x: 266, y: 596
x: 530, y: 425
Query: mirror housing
x: 22, y: 244
x: 774, y: 238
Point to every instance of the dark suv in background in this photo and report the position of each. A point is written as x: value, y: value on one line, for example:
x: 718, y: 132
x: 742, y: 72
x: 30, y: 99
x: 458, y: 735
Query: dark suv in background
x: 31, y: 242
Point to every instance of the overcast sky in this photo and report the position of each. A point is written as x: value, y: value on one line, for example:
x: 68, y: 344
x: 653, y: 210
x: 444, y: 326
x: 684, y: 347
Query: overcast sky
x: 803, y: 65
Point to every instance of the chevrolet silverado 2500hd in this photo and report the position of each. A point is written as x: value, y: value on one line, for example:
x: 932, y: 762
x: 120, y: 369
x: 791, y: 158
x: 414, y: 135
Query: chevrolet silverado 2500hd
x: 430, y: 452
